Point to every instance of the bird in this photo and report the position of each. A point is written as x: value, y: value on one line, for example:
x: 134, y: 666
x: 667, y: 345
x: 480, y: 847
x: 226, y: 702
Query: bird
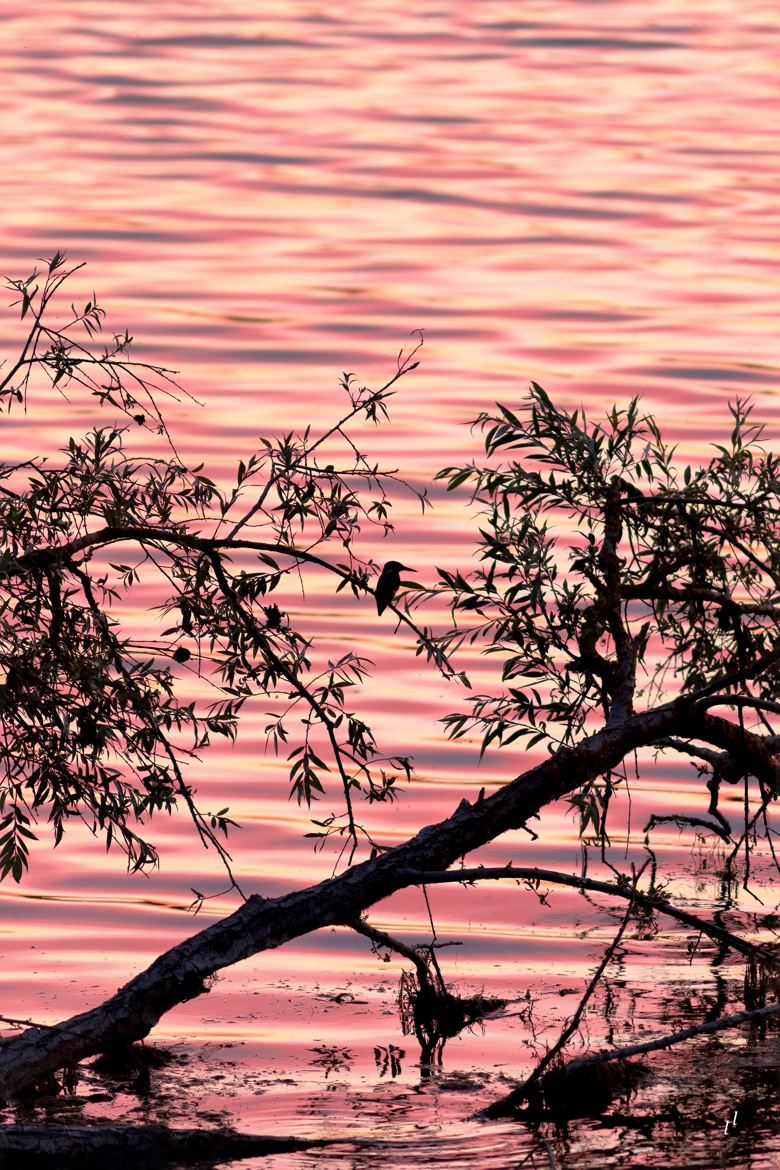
x: 387, y: 585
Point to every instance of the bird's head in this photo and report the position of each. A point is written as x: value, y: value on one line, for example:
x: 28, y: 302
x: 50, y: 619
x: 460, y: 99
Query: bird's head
x: 398, y: 567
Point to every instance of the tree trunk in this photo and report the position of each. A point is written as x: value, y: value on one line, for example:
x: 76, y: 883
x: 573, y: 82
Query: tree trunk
x: 261, y: 924
x: 41, y: 1146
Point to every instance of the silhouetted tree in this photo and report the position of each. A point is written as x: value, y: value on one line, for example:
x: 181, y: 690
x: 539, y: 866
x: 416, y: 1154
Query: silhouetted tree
x: 93, y: 725
x: 632, y: 604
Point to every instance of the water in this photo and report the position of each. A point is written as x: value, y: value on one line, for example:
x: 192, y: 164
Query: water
x: 579, y: 193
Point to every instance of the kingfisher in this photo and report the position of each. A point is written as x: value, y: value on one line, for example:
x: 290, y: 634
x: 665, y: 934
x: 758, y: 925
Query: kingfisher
x: 387, y: 585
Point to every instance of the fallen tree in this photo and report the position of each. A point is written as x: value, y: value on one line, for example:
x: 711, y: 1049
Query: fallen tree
x: 263, y: 924
x: 38, y: 1146
x: 655, y: 584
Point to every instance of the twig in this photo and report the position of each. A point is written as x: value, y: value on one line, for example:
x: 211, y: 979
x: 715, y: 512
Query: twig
x: 404, y: 366
x: 380, y: 939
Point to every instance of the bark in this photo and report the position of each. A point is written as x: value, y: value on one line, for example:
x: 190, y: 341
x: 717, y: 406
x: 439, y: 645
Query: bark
x: 262, y: 924
x: 42, y: 1146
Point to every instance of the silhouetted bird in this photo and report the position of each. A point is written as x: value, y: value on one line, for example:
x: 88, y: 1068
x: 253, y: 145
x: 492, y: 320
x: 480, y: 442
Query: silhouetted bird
x: 387, y: 585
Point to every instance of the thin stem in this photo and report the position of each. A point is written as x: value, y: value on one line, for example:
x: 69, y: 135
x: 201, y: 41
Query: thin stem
x: 404, y: 367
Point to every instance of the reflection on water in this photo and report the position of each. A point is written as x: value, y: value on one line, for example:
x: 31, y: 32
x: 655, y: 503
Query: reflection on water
x: 266, y: 1079
x: 584, y: 194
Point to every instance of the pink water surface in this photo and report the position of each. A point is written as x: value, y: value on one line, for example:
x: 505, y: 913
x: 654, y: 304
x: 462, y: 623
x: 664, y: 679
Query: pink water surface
x: 267, y: 194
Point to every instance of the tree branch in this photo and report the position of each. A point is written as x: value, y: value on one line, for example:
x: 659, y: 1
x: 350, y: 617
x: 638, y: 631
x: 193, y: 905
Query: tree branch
x: 653, y: 902
x: 259, y: 924
x: 115, y: 534
x: 521, y: 1093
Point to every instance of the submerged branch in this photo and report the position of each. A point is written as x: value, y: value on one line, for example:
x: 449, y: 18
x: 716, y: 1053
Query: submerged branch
x: 583, y: 1064
x: 42, y: 1146
x: 732, y: 1021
